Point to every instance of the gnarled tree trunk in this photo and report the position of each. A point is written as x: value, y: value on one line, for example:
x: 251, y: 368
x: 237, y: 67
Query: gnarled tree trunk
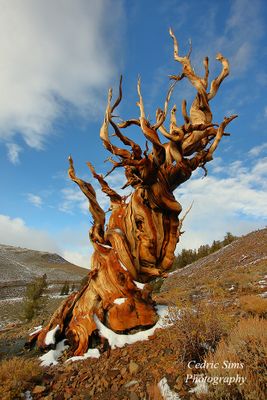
x: 139, y: 240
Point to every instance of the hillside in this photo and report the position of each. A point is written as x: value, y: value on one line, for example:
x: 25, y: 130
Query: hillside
x: 19, y: 265
x: 237, y: 268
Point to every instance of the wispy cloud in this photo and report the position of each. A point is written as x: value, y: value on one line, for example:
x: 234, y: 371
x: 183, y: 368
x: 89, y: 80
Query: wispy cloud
x: 73, y: 200
x: 35, y: 200
x: 13, y: 151
x: 53, y: 54
x: 257, y: 150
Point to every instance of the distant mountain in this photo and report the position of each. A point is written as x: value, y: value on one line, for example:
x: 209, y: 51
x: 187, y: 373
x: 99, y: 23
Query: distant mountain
x: 18, y: 266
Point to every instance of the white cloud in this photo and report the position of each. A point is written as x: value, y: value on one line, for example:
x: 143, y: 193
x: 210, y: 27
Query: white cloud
x: 13, y: 151
x: 53, y: 53
x: 15, y: 232
x: 35, y: 200
x: 77, y: 250
x: 235, y: 203
x: 73, y: 200
x: 81, y: 257
x: 257, y: 150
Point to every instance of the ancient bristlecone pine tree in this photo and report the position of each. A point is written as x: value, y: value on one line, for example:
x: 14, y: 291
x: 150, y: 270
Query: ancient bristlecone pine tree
x: 139, y: 240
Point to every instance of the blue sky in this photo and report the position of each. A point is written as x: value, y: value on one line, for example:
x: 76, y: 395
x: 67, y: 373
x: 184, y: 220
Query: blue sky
x: 57, y: 60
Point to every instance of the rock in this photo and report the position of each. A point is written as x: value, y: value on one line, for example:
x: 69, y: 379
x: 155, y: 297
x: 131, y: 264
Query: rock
x: 113, y: 373
x: 133, y: 367
x: 168, y: 351
x: 49, y: 397
x: 133, y: 396
x: 38, y: 389
x: 131, y: 383
x: 114, y: 387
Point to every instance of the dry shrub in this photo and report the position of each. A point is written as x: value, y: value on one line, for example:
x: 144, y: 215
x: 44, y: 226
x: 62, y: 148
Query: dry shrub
x: 246, y: 348
x: 199, y: 330
x: 254, y: 305
x: 15, y: 376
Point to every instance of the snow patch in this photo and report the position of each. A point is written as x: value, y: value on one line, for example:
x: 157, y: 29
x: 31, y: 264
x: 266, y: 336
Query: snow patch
x: 118, y: 340
x: 201, y: 387
x: 120, y: 300
x: 104, y: 245
x: 123, y: 266
x: 166, y: 391
x: 139, y: 285
x: 118, y: 230
x: 11, y: 299
x: 51, y: 357
x: 27, y: 395
x: 50, y: 336
x: 91, y: 353
x: 36, y: 330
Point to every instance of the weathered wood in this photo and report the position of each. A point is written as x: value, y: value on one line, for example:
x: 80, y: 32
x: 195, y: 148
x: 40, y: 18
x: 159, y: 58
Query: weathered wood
x: 139, y: 240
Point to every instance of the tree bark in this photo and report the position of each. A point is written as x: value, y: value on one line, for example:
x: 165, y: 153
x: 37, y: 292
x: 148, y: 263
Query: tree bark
x: 140, y: 238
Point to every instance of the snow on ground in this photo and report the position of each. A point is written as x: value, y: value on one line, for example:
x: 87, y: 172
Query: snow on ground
x: 166, y: 391
x: 120, y: 300
x: 27, y: 395
x: 51, y: 357
x: 139, y: 285
x: 91, y: 353
x: 50, y: 336
x: 118, y: 340
x: 58, y: 296
x: 11, y: 300
x: 36, y: 329
x: 115, y: 340
x: 201, y: 387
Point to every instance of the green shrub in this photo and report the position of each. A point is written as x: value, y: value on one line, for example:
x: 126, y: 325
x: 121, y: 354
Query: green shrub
x: 34, y: 299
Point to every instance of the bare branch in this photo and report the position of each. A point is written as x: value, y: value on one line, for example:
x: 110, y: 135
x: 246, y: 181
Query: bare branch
x: 112, y: 194
x: 104, y: 130
x: 129, y: 122
x: 218, y: 137
x: 215, y: 84
x: 148, y: 131
x: 161, y: 115
x: 181, y: 221
x: 184, y: 112
x: 97, y: 232
x: 117, y: 102
x: 206, y: 76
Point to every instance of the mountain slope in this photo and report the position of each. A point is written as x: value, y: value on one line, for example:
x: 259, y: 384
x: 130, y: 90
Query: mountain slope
x: 21, y: 265
x: 238, y: 268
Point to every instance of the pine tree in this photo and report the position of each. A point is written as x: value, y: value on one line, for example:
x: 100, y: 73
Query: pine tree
x: 34, y: 300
